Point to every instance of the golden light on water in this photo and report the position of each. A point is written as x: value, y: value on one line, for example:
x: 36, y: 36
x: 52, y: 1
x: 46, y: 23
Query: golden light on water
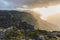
x: 47, y: 11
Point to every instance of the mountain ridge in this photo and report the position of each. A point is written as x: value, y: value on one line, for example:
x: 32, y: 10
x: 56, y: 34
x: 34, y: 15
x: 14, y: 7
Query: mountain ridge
x: 30, y: 17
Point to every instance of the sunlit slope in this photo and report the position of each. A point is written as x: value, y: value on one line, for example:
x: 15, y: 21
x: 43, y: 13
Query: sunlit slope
x: 39, y: 23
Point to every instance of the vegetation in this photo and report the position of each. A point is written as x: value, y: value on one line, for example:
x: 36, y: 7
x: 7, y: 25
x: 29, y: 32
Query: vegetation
x: 13, y: 34
x: 24, y: 24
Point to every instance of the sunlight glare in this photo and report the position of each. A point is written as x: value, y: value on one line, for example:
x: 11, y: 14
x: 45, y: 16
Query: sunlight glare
x: 47, y: 11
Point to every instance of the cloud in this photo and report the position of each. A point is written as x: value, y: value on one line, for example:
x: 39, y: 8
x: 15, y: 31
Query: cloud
x: 35, y: 3
x: 30, y: 3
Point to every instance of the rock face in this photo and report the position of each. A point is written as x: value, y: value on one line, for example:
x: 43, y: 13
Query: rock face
x: 13, y: 17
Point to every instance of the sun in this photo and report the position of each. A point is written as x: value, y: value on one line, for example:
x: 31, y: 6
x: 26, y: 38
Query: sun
x: 47, y: 11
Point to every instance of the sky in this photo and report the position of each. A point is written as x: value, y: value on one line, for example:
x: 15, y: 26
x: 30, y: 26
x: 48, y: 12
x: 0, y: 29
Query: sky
x: 44, y: 7
x: 50, y: 10
x: 6, y: 4
x: 29, y: 3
